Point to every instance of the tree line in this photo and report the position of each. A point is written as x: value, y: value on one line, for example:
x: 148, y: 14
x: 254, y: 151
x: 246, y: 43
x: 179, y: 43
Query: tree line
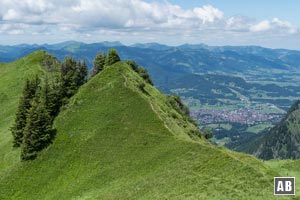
x: 102, y: 59
x: 40, y: 103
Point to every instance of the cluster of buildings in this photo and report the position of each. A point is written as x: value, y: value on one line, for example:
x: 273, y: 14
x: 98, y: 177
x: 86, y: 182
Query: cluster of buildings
x: 247, y: 116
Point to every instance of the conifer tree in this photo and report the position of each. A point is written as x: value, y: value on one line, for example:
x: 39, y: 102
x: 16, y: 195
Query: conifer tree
x: 81, y: 75
x: 52, y: 97
x: 144, y: 74
x: 40, y: 104
x: 112, y: 57
x: 29, y: 93
x: 140, y: 70
x: 99, y: 61
x: 68, y: 78
x: 134, y: 66
x: 38, y: 133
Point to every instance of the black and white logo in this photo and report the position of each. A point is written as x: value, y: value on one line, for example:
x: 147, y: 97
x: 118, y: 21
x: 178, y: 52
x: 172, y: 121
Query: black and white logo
x: 284, y: 185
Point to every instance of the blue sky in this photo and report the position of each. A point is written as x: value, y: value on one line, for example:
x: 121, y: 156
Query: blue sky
x: 274, y: 24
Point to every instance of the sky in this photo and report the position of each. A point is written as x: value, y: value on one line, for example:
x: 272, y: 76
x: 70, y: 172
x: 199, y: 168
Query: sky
x: 269, y: 23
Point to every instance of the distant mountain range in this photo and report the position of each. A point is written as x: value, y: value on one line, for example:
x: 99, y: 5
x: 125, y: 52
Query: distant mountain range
x: 166, y: 63
x: 182, y: 59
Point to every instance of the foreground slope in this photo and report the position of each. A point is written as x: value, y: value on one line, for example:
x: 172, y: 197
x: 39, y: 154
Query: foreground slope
x: 286, y: 168
x: 12, y: 80
x: 116, y: 141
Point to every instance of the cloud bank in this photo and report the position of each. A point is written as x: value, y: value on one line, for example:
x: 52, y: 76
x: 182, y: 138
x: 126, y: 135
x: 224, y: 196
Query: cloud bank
x: 132, y: 20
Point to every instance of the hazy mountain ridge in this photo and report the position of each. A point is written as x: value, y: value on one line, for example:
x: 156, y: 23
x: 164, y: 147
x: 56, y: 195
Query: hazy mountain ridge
x: 166, y: 62
x: 247, y: 53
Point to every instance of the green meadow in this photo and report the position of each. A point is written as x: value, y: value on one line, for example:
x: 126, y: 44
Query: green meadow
x: 116, y: 141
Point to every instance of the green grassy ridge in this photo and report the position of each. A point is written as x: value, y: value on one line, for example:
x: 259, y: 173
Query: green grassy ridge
x: 287, y: 168
x: 13, y: 76
x: 111, y: 144
x: 173, y: 120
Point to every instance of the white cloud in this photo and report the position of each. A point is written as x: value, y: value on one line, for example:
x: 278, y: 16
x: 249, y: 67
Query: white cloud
x: 11, y: 14
x: 285, y: 25
x: 13, y: 29
x: 130, y: 17
x: 208, y: 13
x: 27, y: 11
x: 238, y: 23
x: 261, y: 26
x: 275, y: 25
x: 106, y: 13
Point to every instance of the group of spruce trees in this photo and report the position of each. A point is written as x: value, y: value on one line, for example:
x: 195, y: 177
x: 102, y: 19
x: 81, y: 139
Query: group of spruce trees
x: 43, y: 97
x: 102, y: 59
x: 40, y: 103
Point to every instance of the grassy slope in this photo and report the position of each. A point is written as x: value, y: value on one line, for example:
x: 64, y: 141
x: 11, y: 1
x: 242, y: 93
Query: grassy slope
x: 289, y: 168
x: 12, y: 79
x: 111, y: 145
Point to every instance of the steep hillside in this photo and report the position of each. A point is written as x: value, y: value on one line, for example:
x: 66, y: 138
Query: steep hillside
x: 283, y: 140
x: 119, y: 138
x: 12, y: 79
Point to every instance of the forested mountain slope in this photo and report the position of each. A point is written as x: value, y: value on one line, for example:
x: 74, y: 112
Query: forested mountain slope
x: 283, y: 140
